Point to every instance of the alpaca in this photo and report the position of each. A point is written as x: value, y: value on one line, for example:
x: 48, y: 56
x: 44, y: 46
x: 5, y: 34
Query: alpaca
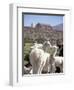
x: 40, y: 59
x: 58, y: 60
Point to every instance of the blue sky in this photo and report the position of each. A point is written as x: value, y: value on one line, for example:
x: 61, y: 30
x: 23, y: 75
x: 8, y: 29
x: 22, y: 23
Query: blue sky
x: 44, y: 19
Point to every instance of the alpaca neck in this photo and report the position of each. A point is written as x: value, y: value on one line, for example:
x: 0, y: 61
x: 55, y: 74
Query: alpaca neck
x: 55, y: 53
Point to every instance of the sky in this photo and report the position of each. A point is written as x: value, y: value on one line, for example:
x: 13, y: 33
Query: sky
x: 52, y: 20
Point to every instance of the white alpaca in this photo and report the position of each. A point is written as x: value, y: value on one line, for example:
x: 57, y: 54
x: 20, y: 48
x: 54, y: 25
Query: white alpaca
x: 40, y: 59
x: 58, y: 59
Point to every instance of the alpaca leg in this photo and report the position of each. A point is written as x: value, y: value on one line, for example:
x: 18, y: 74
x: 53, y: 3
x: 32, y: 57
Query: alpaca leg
x: 61, y: 68
x: 38, y: 68
x: 35, y: 67
x: 53, y: 68
x: 41, y: 67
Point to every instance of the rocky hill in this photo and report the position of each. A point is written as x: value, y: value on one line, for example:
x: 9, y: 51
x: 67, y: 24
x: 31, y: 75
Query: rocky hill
x: 58, y: 27
x: 42, y: 32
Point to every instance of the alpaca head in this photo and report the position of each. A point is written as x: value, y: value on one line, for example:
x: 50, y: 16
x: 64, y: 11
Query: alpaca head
x: 46, y: 45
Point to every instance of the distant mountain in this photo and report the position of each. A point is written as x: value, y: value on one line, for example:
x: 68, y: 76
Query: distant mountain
x: 58, y: 27
x: 42, y: 32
